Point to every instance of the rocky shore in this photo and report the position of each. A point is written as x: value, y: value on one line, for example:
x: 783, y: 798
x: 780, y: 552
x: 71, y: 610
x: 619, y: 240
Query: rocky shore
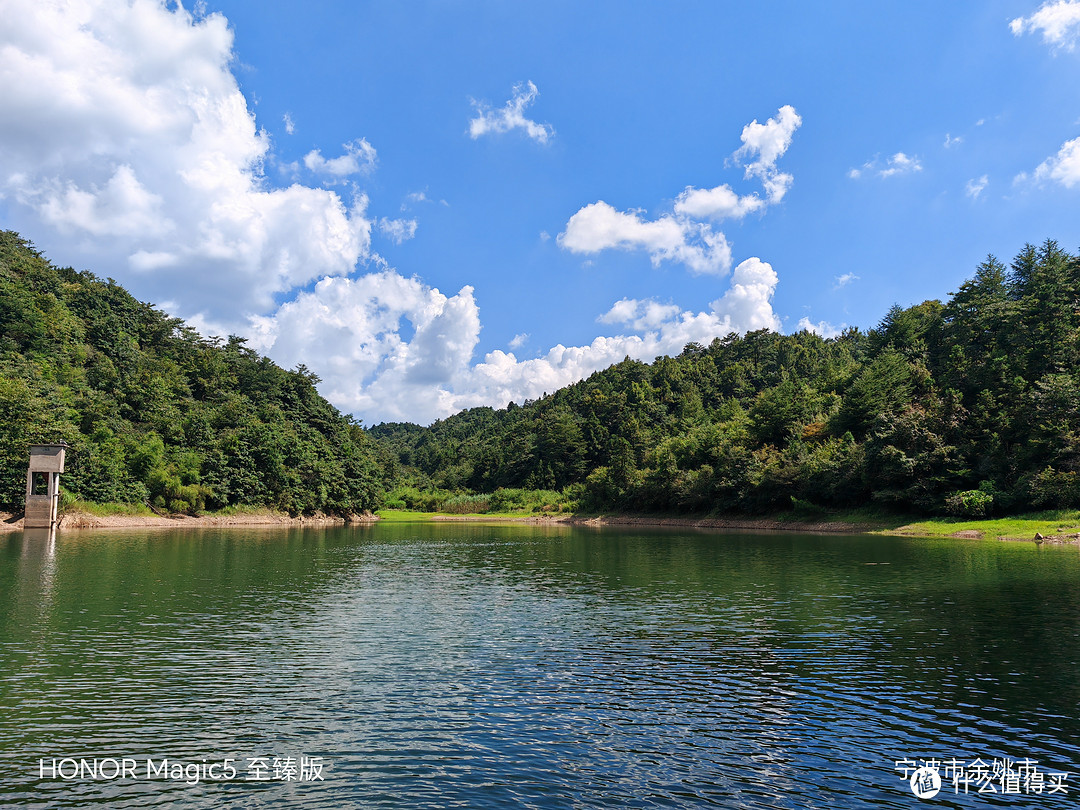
x: 835, y: 527
x: 85, y: 520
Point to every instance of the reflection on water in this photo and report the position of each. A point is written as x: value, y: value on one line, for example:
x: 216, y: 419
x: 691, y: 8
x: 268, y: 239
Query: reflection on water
x: 470, y: 665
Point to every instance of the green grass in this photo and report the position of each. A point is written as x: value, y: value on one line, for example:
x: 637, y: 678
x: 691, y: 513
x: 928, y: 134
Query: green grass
x: 876, y: 519
x: 69, y: 506
x: 1054, y: 522
x: 408, y: 516
x: 402, y: 515
x: 1059, y: 521
x: 107, y: 509
x: 240, y: 509
x: 500, y: 502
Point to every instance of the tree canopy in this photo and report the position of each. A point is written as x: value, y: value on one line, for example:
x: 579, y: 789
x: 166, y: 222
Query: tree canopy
x: 154, y: 412
x: 978, y: 395
x: 969, y: 406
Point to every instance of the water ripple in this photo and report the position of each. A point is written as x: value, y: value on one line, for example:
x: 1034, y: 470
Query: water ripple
x: 493, y: 667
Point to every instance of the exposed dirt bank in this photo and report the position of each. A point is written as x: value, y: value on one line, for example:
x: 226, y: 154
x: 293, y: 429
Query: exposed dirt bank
x: 1049, y: 539
x: 690, y: 523
x: 730, y: 523
x: 84, y: 520
x: 503, y: 518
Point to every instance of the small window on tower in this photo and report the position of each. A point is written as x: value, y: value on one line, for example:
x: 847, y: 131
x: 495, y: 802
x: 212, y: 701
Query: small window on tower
x: 40, y: 484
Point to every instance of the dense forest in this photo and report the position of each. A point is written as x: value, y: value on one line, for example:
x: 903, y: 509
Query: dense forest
x: 156, y: 414
x: 969, y: 407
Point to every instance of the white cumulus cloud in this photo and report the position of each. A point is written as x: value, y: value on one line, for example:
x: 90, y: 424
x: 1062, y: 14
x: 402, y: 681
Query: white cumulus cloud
x: 599, y: 226
x: 640, y: 315
x: 126, y: 145
x: 976, y: 187
x: 358, y: 158
x: 764, y: 144
x: 397, y: 230
x: 844, y: 280
x: 684, y: 236
x: 1063, y: 168
x: 1058, y: 22
x: 393, y: 348
x: 716, y: 203
x: 822, y: 328
x: 899, y: 163
x: 510, y: 116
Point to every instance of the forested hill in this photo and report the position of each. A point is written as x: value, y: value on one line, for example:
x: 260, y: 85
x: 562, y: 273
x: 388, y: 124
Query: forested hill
x: 154, y: 412
x: 971, y: 406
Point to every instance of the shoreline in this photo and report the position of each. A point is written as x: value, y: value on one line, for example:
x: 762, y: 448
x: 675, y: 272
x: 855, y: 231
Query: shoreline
x: 768, y: 524
x: 757, y: 524
x: 833, y: 526
x: 79, y: 521
x: 85, y: 521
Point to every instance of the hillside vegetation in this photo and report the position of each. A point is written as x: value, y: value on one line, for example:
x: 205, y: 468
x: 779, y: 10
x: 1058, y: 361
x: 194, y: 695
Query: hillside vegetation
x: 156, y: 413
x: 971, y: 407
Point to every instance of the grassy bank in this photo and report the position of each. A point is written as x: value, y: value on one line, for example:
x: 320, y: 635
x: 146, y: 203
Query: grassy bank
x: 532, y: 506
x: 110, y: 510
x: 411, y: 499
x: 78, y: 514
x: 104, y: 509
x: 408, y: 516
x: 1053, y: 523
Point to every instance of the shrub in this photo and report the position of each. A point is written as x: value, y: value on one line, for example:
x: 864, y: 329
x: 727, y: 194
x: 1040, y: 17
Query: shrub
x: 465, y: 504
x: 969, y: 503
x: 1058, y: 490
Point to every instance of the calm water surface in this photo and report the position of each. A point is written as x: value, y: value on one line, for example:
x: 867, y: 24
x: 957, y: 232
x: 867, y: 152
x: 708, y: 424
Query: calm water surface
x: 487, y: 666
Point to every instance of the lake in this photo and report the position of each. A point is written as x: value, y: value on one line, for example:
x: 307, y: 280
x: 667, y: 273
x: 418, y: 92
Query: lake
x: 472, y: 665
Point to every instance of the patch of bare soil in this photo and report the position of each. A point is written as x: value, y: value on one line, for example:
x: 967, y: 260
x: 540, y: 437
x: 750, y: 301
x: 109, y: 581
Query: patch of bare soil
x: 84, y: 520
x: 504, y: 519
x: 1049, y: 539
x: 728, y: 523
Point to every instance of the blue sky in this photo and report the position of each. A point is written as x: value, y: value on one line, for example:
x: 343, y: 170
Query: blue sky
x: 439, y: 205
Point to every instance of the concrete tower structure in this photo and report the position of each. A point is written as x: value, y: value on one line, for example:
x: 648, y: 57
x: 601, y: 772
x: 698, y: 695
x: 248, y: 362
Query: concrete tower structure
x: 43, y: 485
